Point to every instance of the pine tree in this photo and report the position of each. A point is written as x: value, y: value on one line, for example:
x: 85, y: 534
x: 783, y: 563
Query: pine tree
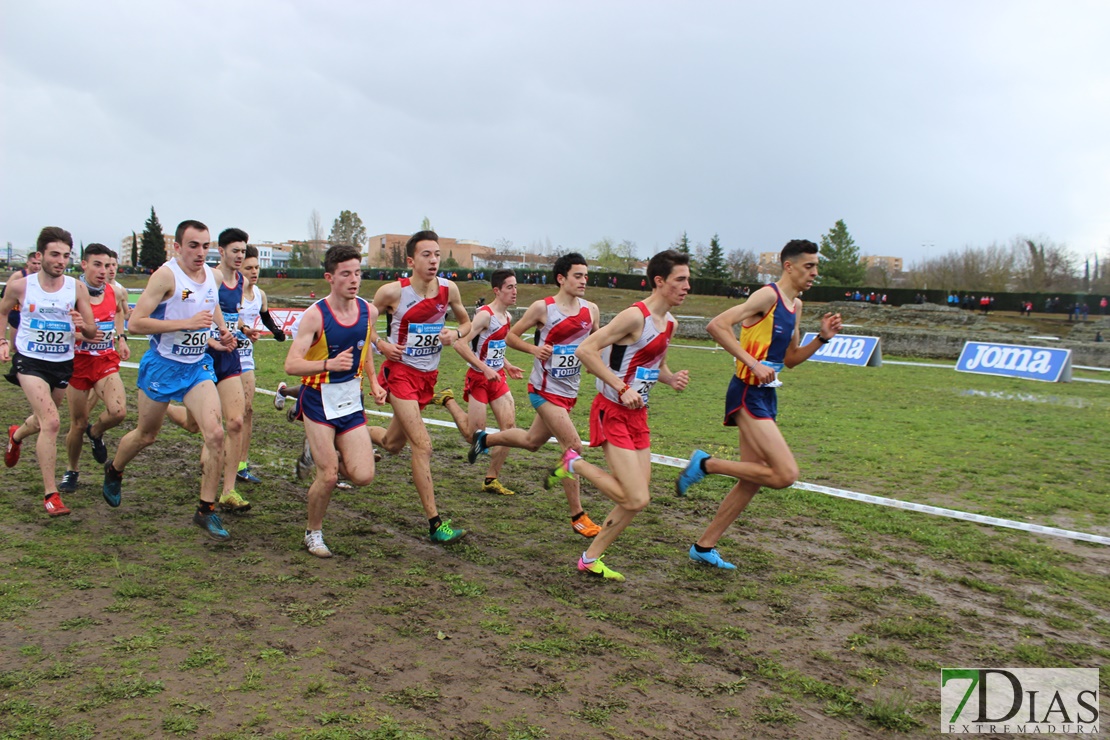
x: 134, y: 249
x: 682, y: 244
x: 153, y: 251
x: 714, y: 264
x: 348, y: 229
x: 840, y: 262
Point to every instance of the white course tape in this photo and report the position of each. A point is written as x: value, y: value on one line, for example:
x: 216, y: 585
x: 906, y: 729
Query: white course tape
x: 678, y: 462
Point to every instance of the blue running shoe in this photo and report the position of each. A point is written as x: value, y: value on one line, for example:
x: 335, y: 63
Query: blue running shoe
x: 710, y: 558
x: 247, y: 476
x: 211, y: 524
x: 113, y: 485
x: 692, y: 473
x: 477, y: 447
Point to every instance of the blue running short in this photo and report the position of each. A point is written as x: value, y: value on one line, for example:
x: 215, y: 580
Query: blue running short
x: 164, y: 380
x: 310, y: 406
x: 758, y: 403
x: 225, y: 364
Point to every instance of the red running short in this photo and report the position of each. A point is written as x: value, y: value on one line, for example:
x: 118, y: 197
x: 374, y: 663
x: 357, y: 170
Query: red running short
x: 89, y: 369
x: 481, y: 390
x: 618, y: 425
x: 407, y: 383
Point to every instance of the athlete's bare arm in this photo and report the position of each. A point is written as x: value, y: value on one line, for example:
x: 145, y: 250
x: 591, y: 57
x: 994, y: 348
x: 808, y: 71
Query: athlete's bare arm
x: 386, y: 300
x: 13, y: 295
x: 160, y: 287
x: 796, y: 355
x: 723, y: 329
x: 532, y: 318
x: 121, y: 319
x: 625, y: 328
x: 447, y: 336
x: 380, y: 394
x: 312, y: 323
x: 83, y: 320
x: 677, y: 380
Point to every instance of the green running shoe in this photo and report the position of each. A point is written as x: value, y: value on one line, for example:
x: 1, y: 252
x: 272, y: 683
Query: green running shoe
x: 444, y: 533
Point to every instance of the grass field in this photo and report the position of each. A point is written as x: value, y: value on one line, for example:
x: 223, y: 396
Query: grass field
x: 127, y: 623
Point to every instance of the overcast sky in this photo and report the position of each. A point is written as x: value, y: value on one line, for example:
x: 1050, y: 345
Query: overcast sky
x: 926, y: 126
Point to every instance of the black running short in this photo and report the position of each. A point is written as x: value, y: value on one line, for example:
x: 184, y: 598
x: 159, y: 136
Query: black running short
x: 56, y: 374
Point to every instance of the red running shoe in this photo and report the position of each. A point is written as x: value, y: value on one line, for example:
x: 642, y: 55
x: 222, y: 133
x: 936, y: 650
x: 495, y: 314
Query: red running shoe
x: 54, y: 505
x: 11, y: 455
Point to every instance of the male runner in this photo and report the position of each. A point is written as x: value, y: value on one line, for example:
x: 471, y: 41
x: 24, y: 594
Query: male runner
x: 331, y: 350
x: 769, y: 322
x: 483, y: 348
x: 564, y: 320
x: 53, y: 307
x: 34, y: 264
x: 177, y: 309
x: 253, y: 306
x: 628, y: 356
x: 415, y: 308
x: 96, y: 367
x: 225, y: 364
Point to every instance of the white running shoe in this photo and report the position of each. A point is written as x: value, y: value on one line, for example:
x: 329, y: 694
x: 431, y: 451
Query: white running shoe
x: 314, y: 541
x: 279, y: 400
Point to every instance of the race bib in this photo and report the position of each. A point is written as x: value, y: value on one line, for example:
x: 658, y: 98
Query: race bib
x: 777, y: 367
x: 495, y: 354
x: 422, y: 340
x: 50, y: 337
x: 341, y: 399
x: 109, y: 329
x: 644, y: 381
x: 190, y: 343
x: 564, y: 363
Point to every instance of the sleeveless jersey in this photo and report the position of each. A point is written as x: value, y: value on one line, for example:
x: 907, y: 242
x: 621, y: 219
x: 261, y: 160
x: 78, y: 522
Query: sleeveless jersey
x: 230, y: 301
x: 45, y: 327
x: 249, y: 311
x: 105, y: 315
x: 187, y: 346
x: 489, y: 345
x: 637, y: 364
x: 336, y: 337
x: 417, y: 323
x: 562, y: 372
x: 768, y: 339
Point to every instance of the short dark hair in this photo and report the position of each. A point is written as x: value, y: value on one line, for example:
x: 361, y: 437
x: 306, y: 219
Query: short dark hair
x: 338, y: 254
x: 796, y: 247
x: 565, y: 262
x: 661, y: 264
x: 421, y: 236
x: 95, y: 248
x: 188, y: 224
x: 114, y: 255
x: 53, y: 234
x: 497, y: 279
x: 252, y: 251
x: 230, y: 236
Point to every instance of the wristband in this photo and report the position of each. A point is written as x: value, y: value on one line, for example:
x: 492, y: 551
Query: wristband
x: 325, y: 364
x: 822, y: 340
x: 623, y: 390
x: 459, y: 332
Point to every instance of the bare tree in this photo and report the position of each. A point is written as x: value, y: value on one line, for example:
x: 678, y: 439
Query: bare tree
x: 315, y: 227
x: 742, y: 265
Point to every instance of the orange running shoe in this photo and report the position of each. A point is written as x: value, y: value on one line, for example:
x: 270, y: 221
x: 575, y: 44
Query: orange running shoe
x: 584, y: 526
x: 11, y: 454
x: 54, y: 505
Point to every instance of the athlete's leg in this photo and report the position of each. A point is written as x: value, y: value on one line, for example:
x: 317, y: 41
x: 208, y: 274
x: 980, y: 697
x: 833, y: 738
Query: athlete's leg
x: 459, y: 416
x: 530, y: 439
x: 557, y: 420
x: 356, y: 456
x: 632, y: 476
x: 149, y: 423
x: 406, y: 418
x: 504, y: 411
x: 110, y: 390
x: 761, y: 446
x: 45, y: 422
x: 78, y: 419
x: 248, y: 418
x: 231, y: 403
x: 775, y: 468
x: 321, y: 439
x: 180, y: 416
x: 203, y: 402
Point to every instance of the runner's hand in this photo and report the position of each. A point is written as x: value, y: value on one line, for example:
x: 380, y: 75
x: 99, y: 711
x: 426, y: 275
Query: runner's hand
x: 123, y: 350
x: 343, y: 361
x: 763, y: 373
x: 514, y: 372
x: 830, y: 325
x: 79, y: 323
x: 680, y: 380
x: 378, y: 392
x: 447, y: 336
x: 252, y: 334
x: 5, y: 352
x: 490, y: 373
x: 543, y: 352
x: 199, y: 320
x: 228, y: 340
x: 390, y: 351
x: 632, y: 399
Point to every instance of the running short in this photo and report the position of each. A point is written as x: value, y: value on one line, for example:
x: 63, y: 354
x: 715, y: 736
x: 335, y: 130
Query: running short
x: 618, y: 425
x: 225, y: 364
x: 539, y: 398
x: 408, y: 383
x: 88, y: 370
x: 757, y: 402
x: 310, y: 406
x: 164, y: 380
x: 56, y: 374
x: 481, y: 390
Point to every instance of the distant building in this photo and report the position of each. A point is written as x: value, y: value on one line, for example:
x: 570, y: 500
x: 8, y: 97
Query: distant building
x: 127, y: 241
x: 890, y: 264
x: 388, y: 250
